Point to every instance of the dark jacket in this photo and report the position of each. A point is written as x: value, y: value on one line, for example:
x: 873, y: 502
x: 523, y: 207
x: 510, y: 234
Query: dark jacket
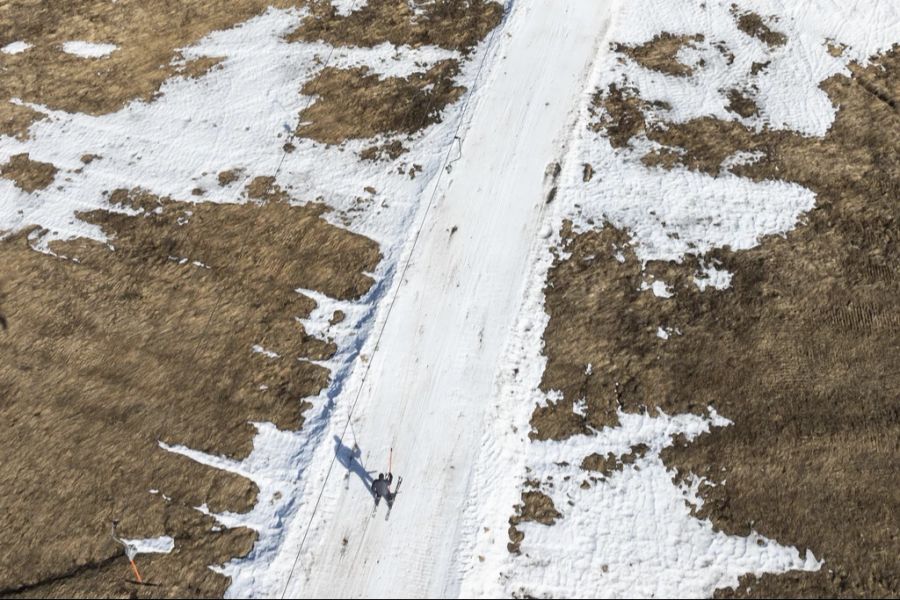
x: 381, y: 487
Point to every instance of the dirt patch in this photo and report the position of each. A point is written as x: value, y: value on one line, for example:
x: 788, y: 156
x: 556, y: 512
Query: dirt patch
x: 228, y: 177
x: 452, y: 24
x: 800, y: 352
x: 107, y: 356
x: 28, y: 175
x: 741, y: 104
x: 354, y: 104
x: 387, y: 151
x: 537, y: 507
x: 753, y: 25
x: 15, y: 120
x: 661, y: 53
x: 620, y: 113
x: 610, y: 463
x: 197, y: 68
x: 148, y: 36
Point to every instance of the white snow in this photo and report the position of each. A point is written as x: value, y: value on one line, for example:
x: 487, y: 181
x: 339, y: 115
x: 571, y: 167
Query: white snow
x: 15, y: 47
x: 88, y: 49
x: 714, y: 277
x: 156, y: 545
x: 261, y: 350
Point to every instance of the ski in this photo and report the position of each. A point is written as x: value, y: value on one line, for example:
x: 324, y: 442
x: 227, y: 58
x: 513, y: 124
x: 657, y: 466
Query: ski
x: 394, y: 497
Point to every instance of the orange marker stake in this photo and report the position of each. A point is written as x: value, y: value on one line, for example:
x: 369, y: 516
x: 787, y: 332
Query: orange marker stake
x: 135, y: 569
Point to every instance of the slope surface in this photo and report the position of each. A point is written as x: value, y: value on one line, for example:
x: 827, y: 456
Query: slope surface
x: 435, y: 365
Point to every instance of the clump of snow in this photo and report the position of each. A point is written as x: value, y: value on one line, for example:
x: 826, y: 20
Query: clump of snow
x: 156, y: 545
x: 662, y: 333
x: 660, y: 288
x: 15, y: 47
x: 260, y: 350
x: 88, y: 49
x: 719, y: 279
x: 345, y: 7
x: 740, y: 158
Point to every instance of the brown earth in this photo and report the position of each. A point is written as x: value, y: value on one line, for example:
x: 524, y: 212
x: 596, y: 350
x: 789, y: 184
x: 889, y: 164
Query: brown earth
x: 28, y: 175
x: 536, y: 506
x: 354, y: 104
x: 608, y: 464
x: 660, y: 53
x: 801, y: 352
x: 107, y: 356
x: 452, y: 24
x: 753, y: 25
x: 740, y: 103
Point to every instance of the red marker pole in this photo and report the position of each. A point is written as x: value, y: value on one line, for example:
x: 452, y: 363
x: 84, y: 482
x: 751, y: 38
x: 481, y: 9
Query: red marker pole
x: 135, y: 569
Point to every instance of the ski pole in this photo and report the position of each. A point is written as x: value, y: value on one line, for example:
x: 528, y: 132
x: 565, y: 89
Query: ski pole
x: 390, y: 459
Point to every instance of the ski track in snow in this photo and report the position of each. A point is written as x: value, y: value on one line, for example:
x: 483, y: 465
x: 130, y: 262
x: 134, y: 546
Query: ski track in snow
x: 455, y: 378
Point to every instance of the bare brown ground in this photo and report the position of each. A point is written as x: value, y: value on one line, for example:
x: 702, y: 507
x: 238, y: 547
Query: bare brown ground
x: 536, y: 506
x: 660, y: 53
x: 753, y: 25
x: 354, y: 104
x: 801, y: 352
x: 452, y: 24
x: 106, y: 356
x: 29, y: 175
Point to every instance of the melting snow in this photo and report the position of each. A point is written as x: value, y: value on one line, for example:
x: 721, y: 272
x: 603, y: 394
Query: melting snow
x: 89, y: 49
x: 15, y: 47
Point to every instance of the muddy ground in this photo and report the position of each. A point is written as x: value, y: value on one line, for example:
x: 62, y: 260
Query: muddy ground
x: 801, y: 352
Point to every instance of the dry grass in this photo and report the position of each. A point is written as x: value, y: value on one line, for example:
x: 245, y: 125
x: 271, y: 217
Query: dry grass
x: 753, y: 25
x: 104, y: 357
x: 661, y: 53
x: 28, y: 175
x: 148, y: 35
x: 800, y: 352
x: 354, y: 104
x: 452, y: 24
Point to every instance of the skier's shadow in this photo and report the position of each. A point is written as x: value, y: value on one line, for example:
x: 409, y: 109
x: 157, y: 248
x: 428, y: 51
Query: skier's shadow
x: 349, y: 459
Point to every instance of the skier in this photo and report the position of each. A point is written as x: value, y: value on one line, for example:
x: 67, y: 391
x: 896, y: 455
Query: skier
x: 381, y: 488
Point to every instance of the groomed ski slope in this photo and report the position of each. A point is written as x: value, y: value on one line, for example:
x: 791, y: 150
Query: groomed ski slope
x: 434, y: 368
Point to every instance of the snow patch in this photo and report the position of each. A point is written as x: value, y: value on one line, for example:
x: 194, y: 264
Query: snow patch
x: 719, y: 279
x: 156, y: 545
x: 88, y: 49
x: 15, y: 47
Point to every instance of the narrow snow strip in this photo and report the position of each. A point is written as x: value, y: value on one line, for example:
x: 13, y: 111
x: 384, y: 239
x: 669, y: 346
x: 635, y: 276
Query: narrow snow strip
x: 435, y: 363
x: 89, y: 49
